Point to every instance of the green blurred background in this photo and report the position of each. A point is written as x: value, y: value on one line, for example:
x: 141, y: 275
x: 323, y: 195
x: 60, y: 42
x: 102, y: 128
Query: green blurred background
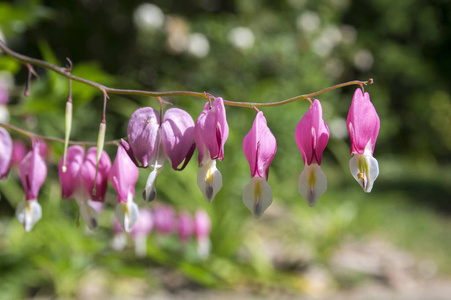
x: 351, y: 243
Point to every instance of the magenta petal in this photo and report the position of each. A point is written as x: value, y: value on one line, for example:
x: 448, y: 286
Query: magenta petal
x: 363, y: 122
x: 123, y: 175
x: 312, y: 134
x: 177, y: 135
x: 259, y: 147
x: 70, y: 180
x: 142, y: 133
x: 222, y: 125
x: 6, y: 152
x: 88, y: 171
x: 33, y: 172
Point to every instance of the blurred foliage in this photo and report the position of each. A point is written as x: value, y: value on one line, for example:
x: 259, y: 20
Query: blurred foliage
x: 296, y: 47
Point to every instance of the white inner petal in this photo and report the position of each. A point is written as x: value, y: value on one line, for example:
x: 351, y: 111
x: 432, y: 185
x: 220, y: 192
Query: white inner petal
x: 257, y: 196
x: 312, y: 183
x: 88, y: 213
x: 28, y: 212
x: 127, y: 214
x: 365, y: 169
x: 209, y: 179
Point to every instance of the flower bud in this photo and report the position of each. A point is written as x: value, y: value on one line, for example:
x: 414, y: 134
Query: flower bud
x: 96, y: 189
x: 70, y: 179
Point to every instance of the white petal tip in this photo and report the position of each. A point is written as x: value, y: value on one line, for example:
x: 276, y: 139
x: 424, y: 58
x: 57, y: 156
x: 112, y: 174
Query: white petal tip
x: 127, y: 214
x: 28, y: 212
x: 257, y: 196
x: 150, y: 192
x: 365, y: 169
x: 88, y: 214
x: 312, y: 184
x: 209, y: 180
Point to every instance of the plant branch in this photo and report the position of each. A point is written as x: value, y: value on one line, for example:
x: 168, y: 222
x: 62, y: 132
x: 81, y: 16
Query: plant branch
x: 66, y: 72
x: 53, y: 139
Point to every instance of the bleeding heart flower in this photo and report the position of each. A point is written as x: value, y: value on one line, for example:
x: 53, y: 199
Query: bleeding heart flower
x: 312, y: 136
x: 123, y: 176
x: 363, y: 126
x: 33, y: 172
x: 94, y: 190
x: 185, y: 226
x: 202, y: 228
x: 71, y: 180
x: 259, y: 147
x: 151, y: 142
x: 211, y: 133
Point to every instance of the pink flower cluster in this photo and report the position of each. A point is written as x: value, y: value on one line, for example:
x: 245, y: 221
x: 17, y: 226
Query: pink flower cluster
x: 153, y: 138
x: 165, y: 221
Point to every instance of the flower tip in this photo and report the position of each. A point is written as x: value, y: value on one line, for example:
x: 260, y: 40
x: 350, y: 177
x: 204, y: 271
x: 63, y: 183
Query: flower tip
x: 127, y: 214
x: 209, y: 180
x: 257, y: 196
x: 312, y: 184
x: 28, y: 212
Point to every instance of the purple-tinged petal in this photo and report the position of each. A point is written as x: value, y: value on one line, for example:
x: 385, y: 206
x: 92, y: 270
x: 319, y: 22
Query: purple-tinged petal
x: 123, y: 175
x: 33, y: 172
x: 363, y: 123
x: 312, y: 134
x: 143, y: 133
x: 6, y: 152
x: 259, y: 147
x: 71, y: 180
x: 177, y: 135
x: 88, y: 172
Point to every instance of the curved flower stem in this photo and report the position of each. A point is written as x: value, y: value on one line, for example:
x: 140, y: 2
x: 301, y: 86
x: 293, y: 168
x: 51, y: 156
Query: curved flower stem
x: 65, y: 72
x: 54, y: 139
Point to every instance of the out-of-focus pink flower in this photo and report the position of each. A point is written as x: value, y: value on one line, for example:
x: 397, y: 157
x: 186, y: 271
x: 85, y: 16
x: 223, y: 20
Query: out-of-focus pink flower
x: 202, y: 228
x: 259, y: 147
x: 164, y: 218
x: 211, y: 133
x: 6, y: 151
x: 152, y: 141
x: 19, y: 151
x: 95, y: 189
x: 185, y: 226
x: 123, y: 176
x: 43, y: 148
x: 312, y: 136
x: 363, y: 126
x: 33, y: 172
x: 71, y: 180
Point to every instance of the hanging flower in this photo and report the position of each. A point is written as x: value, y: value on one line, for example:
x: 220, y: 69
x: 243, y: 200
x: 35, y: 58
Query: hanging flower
x: 94, y: 186
x: 363, y: 126
x: 123, y: 176
x: 211, y: 133
x: 70, y: 179
x: 33, y: 172
x: 259, y: 147
x: 312, y: 136
x: 6, y: 152
x: 202, y: 228
x: 151, y: 142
